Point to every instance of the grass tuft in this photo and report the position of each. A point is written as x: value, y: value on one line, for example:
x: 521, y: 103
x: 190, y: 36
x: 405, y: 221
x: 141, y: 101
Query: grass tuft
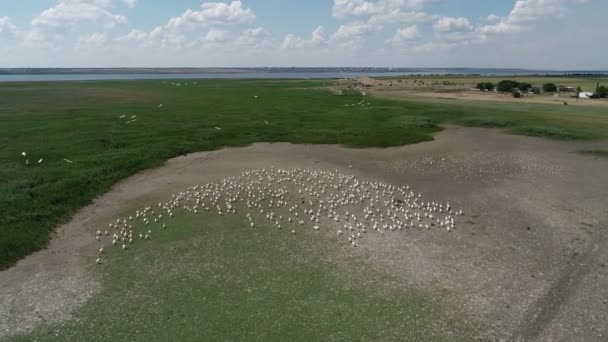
x: 595, y: 153
x: 490, y: 122
x: 552, y: 132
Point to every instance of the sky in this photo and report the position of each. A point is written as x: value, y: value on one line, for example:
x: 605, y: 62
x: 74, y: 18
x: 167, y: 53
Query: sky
x: 533, y: 34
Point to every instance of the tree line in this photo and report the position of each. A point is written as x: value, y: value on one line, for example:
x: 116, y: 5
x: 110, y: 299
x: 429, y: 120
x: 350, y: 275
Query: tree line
x: 516, y: 87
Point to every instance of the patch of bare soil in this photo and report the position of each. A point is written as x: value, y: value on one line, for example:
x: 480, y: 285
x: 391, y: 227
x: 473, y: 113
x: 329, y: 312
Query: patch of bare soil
x: 528, y: 260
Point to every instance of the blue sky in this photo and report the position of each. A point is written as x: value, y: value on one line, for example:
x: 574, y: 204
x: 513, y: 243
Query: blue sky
x: 545, y: 34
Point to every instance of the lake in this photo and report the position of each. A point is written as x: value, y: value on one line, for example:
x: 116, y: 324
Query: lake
x: 263, y: 75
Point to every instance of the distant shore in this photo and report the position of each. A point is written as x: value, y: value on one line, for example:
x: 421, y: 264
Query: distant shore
x: 296, y: 70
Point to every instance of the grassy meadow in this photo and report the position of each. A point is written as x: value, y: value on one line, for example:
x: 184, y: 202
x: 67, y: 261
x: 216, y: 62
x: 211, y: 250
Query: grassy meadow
x: 216, y: 279
x: 89, y: 135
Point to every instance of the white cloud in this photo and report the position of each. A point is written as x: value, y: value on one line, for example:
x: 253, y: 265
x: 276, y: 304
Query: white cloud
x: 216, y: 36
x: 214, y: 13
x: 492, y: 17
x: 398, y: 16
x: 36, y: 38
x: 525, y: 12
x: 225, y: 31
x: 419, y: 3
x: 291, y: 41
x: 174, y: 33
x: 354, y: 30
x: 318, y: 38
x: 346, y: 8
x: 404, y: 35
x: 7, y: 28
x: 130, y: 3
x: 383, y: 12
x: 256, y: 37
x: 528, y: 10
x: 350, y: 8
x: 73, y: 12
x: 95, y: 39
x: 451, y: 24
x: 134, y: 36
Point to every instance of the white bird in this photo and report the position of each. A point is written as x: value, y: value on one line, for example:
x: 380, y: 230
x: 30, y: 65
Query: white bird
x: 24, y: 154
x: 98, y: 261
x: 160, y: 105
x: 40, y: 161
x: 219, y: 129
x: 67, y: 160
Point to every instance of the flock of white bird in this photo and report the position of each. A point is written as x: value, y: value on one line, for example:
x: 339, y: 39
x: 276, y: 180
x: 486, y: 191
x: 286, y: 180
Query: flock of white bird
x: 292, y: 200
x: 179, y: 84
x: 27, y: 161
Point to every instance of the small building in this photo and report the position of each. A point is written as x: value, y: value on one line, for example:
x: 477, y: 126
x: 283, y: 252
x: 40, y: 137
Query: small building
x: 585, y: 95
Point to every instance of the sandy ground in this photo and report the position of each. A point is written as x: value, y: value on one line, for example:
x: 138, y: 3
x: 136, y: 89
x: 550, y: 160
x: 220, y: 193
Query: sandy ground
x: 529, y: 259
x: 435, y: 92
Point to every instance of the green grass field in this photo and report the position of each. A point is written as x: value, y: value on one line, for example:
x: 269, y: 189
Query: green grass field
x: 206, y: 279
x: 80, y: 122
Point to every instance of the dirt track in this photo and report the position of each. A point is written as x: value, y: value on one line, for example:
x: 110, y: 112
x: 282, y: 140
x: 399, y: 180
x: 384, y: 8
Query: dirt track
x: 530, y: 261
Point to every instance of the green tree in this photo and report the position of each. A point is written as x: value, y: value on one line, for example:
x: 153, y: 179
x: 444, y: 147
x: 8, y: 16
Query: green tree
x: 507, y: 86
x: 485, y: 86
x: 524, y: 86
x: 549, y: 87
x: 602, y: 92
